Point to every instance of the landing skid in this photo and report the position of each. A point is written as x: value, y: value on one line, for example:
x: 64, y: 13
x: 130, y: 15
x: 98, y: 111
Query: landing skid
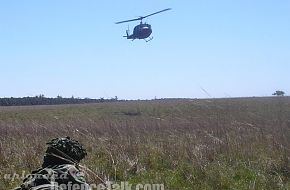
x: 148, y: 39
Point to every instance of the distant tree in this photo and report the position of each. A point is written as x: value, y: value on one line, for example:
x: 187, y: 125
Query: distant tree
x: 278, y: 93
x: 58, y: 96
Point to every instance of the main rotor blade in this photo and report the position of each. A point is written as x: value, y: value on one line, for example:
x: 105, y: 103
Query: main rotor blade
x: 129, y: 20
x: 142, y: 17
x: 156, y: 13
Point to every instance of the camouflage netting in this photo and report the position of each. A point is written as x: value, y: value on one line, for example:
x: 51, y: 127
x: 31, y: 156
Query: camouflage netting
x: 67, y: 148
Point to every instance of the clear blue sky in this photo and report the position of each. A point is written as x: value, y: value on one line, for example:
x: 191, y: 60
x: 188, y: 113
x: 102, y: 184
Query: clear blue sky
x: 72, y: 47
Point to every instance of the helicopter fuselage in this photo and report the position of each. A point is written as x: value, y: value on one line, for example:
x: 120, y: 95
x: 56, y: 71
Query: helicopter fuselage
x: 141, y: 31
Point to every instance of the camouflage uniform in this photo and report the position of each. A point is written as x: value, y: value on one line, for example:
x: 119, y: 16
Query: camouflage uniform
x: 60, y: 168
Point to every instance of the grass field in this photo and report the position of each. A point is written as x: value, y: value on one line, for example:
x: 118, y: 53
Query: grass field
x: 238, y: 143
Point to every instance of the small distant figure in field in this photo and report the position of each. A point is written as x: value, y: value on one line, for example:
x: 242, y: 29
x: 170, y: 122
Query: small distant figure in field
x: 60, y: 169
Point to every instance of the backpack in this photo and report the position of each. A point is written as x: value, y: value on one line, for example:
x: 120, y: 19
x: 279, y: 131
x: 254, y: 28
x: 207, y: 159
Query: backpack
x: 54, y: 177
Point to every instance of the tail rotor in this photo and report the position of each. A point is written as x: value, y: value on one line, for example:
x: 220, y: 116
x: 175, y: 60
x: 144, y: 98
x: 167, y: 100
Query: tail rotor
x: 127, y: 32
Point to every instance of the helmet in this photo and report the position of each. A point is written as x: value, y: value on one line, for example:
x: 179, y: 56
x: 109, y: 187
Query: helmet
x: 67, y: 149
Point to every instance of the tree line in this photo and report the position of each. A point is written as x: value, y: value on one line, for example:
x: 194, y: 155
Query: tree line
x: 42, y: 100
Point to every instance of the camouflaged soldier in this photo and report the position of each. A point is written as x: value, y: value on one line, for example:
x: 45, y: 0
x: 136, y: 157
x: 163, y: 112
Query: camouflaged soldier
x: 60, y: 169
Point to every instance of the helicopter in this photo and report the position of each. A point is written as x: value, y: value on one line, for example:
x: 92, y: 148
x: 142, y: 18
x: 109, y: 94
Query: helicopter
x: 143, y: 30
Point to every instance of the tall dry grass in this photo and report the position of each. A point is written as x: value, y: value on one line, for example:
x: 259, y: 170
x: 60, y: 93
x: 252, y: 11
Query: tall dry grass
x: 241, y: 143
